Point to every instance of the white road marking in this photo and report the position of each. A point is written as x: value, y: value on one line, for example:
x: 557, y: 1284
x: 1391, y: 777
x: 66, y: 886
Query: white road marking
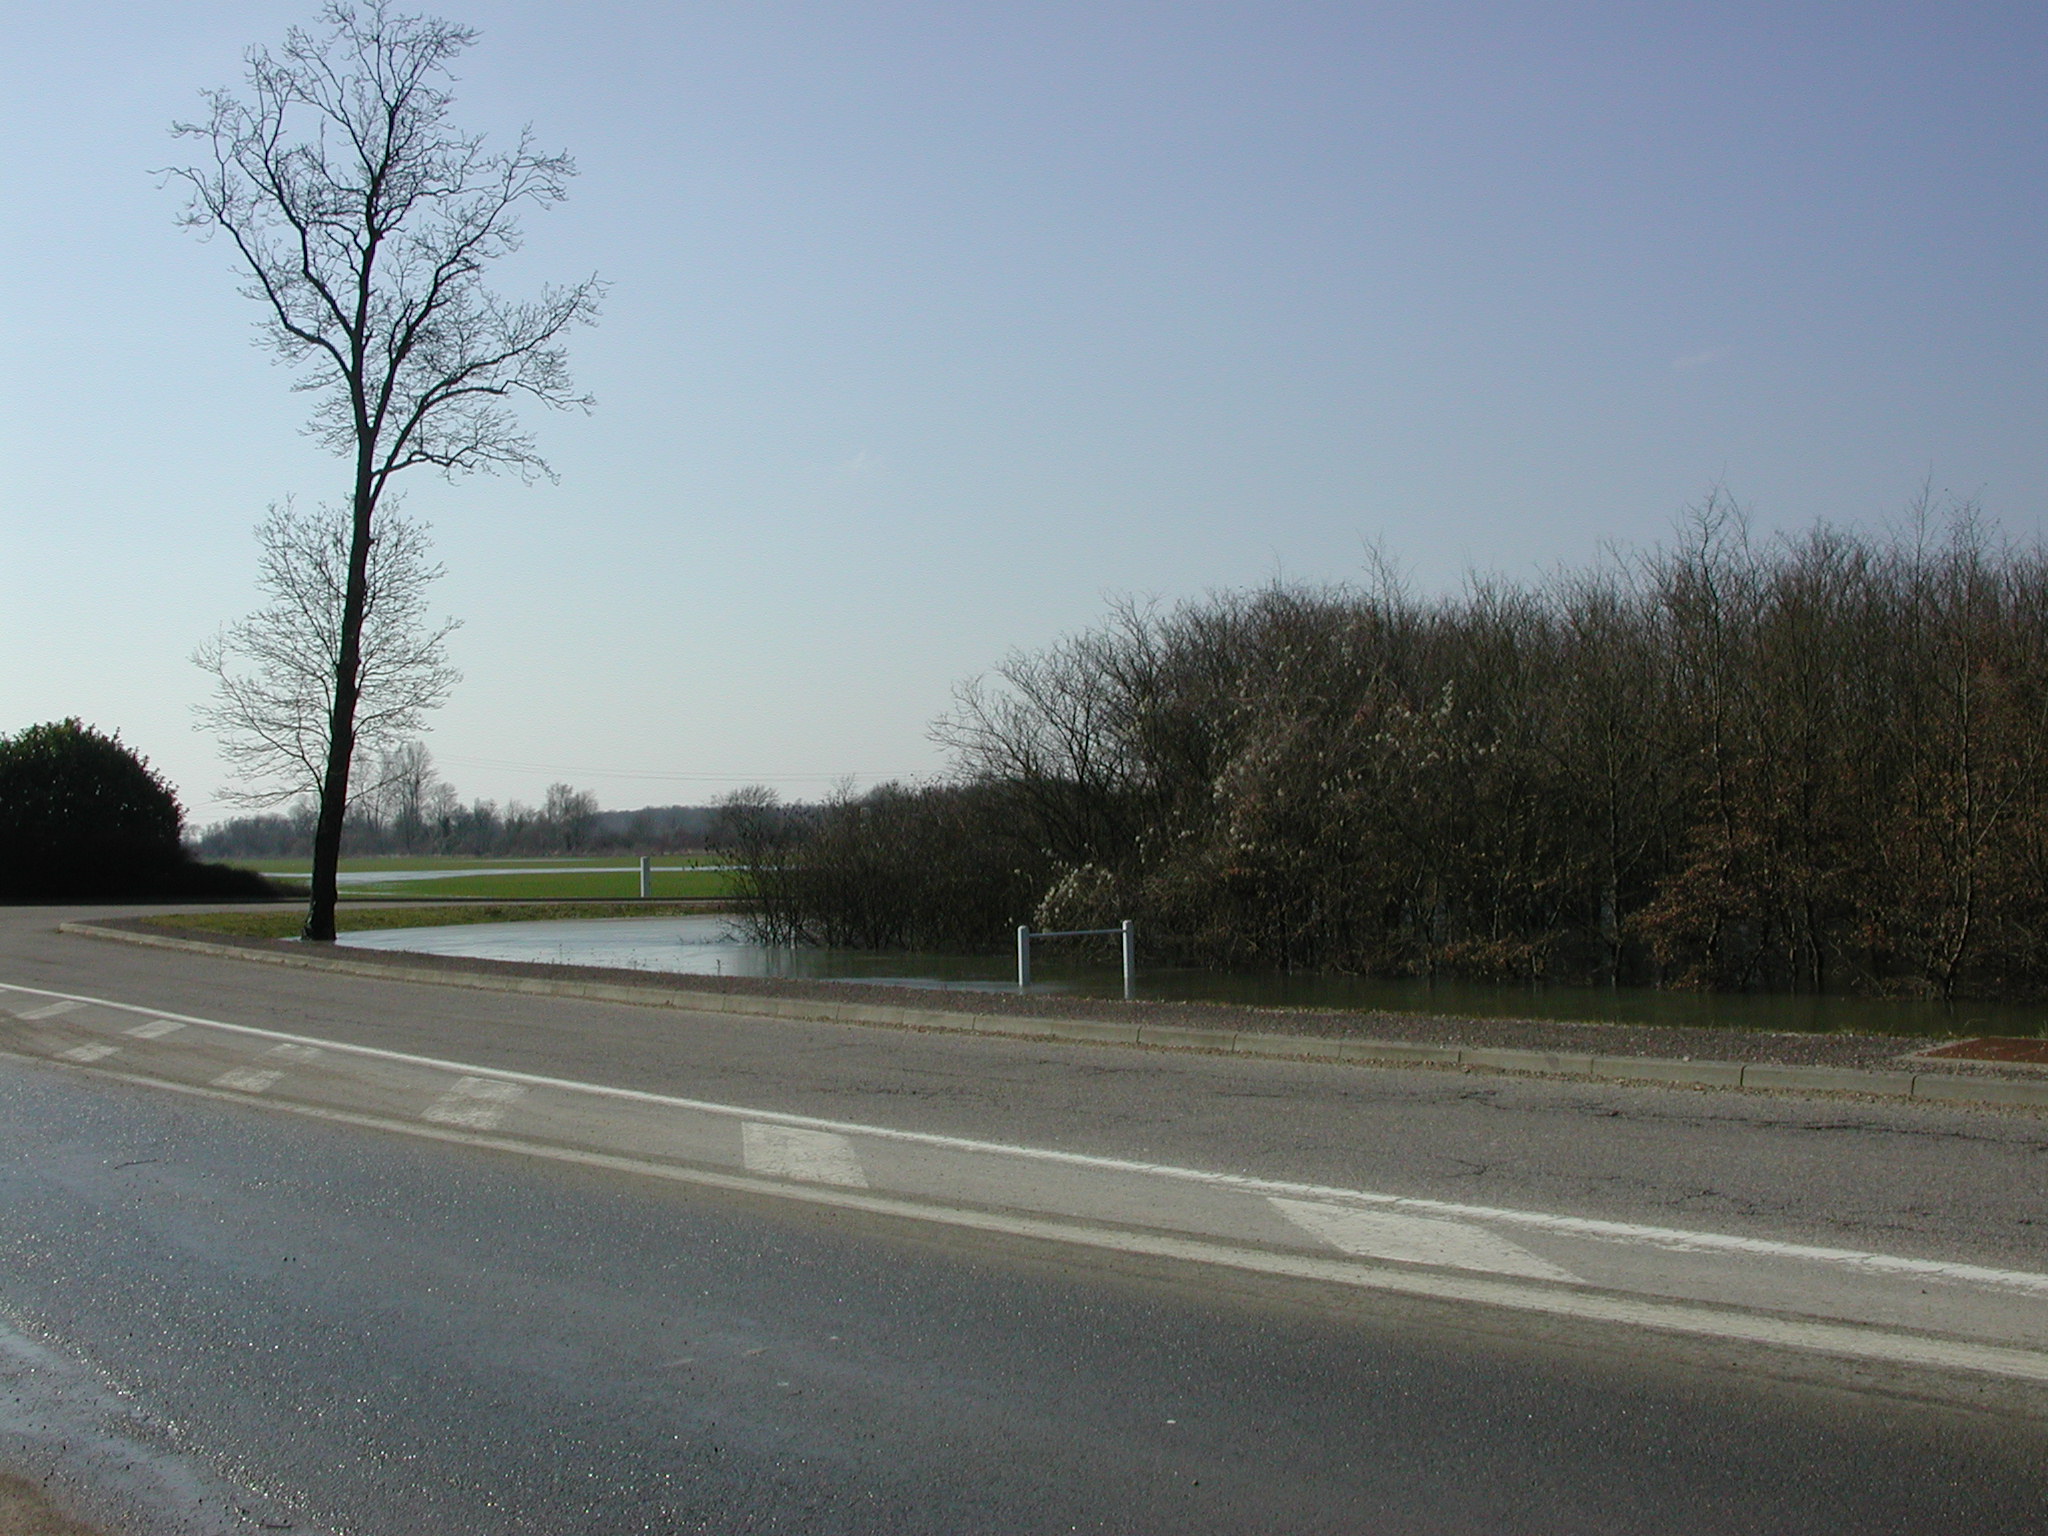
x: 89, y: 1052
x: 69, y: 1005
x: 786, y: 1152
x: 476, y: 1102
x: 247, y: 1080
x: 155, y: 1029
x: 1844, y: 1340
x: 1417, y: 1240
x: 294, y: 1052
x: 1671, y: 1238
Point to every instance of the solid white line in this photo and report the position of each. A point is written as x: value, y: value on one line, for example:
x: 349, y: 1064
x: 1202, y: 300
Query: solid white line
x: 1671, y: 1238
x: 1847, y: 1340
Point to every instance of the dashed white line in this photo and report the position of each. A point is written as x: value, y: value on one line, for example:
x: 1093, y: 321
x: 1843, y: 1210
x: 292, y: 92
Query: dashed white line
x: 155, y: 1029
x: 478, y: 1103
x: 815, y: 1157
x: 1673, y: 1239
x: 1848, y: 1340
x: 69, y: 1005
x: 89, y: 1052
x: 1417, y: 1240
x: 247, y: 1080
x: 294, y: 1052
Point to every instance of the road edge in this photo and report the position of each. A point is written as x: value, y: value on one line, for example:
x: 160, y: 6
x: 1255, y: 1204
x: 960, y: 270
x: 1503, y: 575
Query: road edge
x: 1951, y: 1089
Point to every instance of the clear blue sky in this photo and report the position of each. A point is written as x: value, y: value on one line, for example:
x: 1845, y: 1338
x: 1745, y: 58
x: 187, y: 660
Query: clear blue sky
x: 932, y: 325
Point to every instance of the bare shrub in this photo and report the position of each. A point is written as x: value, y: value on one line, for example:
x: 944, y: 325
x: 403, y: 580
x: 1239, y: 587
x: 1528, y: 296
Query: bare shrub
x: 1813, y: 762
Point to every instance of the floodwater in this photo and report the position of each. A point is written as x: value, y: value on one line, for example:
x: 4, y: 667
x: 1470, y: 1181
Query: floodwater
x: 711, y: 946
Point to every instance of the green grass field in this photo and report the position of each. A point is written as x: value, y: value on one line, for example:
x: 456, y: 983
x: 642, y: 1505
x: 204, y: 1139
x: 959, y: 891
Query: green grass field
x: 283, y: 922
x: 565, y: 885
x: 404, y: 862
x: 680, y: 878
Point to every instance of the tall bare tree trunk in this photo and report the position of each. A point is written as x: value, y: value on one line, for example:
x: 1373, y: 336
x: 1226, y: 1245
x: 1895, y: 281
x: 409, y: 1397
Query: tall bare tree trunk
x: 341, y: 726
x: 367, y: 221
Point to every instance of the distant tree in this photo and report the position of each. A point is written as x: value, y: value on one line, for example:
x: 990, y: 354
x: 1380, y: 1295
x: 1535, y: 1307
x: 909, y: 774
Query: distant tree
x: 406, y: 793
x: 274, y: 672
x: 364, y: 221
x: 261, y: 836
x: 568, y: 813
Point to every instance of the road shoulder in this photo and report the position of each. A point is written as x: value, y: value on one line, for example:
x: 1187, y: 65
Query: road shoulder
x: 1880, y: 1066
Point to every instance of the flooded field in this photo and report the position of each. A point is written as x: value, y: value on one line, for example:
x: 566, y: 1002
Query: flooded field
x: 710, y: 946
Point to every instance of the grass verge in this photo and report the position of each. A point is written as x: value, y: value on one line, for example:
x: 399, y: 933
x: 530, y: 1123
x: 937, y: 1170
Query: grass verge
x: 553, y: 885
x: 669, y: 885
x: 402, y: 862
x: 285, y: 924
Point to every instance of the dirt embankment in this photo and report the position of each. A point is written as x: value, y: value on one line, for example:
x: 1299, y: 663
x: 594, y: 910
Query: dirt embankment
x: 25, y: 1511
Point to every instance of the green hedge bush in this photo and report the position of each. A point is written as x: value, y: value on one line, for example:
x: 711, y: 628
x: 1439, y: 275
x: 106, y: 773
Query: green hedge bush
x: 81, y: 816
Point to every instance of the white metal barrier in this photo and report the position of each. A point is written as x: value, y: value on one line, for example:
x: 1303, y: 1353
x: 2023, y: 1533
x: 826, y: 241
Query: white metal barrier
x: 1127, y: 931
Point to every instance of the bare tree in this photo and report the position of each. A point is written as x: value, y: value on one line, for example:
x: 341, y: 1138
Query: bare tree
x: 568, y: 813
x: 407, y: 789
x: 364, y: 221
x: 275, y: 671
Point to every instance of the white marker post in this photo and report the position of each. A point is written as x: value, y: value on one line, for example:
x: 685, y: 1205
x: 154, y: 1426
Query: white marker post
x: 1127, y: 931
x: 646, y: 879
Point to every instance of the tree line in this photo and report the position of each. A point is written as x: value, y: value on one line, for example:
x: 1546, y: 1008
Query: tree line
x: 1812, y: 762
x: 404, y: 806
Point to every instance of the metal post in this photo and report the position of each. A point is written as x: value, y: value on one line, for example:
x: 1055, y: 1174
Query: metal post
x: 1130, y: 933
x: 1023, y: 956
x: 646, y: 878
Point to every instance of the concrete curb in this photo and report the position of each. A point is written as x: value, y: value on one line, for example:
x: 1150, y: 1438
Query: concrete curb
x: 1934, y: 1087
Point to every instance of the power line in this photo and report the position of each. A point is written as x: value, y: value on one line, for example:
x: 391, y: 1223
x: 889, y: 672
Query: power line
x: 582, y: 771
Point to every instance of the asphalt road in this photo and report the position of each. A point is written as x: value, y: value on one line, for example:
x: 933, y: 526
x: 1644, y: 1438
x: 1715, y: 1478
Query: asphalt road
x: 284, y: 1319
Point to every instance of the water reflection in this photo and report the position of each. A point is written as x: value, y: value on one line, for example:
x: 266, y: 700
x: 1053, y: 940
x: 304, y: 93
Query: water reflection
x: 708, y: 946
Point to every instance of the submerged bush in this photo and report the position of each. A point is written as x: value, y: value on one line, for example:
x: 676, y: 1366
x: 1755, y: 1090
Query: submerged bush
x: 927, y: 868
x: 1814, y: 763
